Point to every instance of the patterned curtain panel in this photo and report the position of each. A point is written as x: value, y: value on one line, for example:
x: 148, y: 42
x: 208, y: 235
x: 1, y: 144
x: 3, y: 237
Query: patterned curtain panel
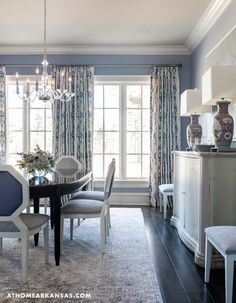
x: 73, y: 120
x: 165, y: 126
x: 2, y: 115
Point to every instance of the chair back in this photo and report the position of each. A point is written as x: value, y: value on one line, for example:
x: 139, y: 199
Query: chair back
x: 109, y: 179
x: 67, y: 165
x: 14, y: 193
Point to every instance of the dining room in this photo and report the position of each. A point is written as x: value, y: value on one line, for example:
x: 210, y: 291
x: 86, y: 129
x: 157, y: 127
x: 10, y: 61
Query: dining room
x: 106, y: 186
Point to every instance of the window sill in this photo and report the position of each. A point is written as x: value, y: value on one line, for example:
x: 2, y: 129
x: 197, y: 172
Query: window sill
x: 125, y: 183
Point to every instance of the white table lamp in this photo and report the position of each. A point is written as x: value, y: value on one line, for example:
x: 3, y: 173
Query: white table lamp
x: 219, y: 87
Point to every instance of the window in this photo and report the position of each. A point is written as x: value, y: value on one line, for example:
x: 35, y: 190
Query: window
x: 122, y: 127
x: 28, y: 124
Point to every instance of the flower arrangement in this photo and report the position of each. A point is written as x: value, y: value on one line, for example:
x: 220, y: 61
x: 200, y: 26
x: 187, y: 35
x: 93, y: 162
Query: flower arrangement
x: 38, y: 160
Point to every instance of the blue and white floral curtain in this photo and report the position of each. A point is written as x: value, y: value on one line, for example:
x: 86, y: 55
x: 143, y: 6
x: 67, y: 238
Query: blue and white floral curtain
x: 2, y: 114
x: 73, y: 120
x: 165, y: 126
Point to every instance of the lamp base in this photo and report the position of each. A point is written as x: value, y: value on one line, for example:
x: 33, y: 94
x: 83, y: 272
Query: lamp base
x: 223, y: 126
x: 194, y: 132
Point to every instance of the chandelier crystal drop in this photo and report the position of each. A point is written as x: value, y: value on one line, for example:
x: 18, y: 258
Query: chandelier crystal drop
x: 46, y: 89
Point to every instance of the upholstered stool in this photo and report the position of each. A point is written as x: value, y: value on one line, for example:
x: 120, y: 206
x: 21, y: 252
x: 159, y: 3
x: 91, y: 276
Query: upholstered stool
x: 166, y: 190
x: 223, y: 238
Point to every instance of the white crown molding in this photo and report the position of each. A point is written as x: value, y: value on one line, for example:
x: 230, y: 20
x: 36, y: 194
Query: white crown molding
x: 207, y: 20
x: 97, y: 49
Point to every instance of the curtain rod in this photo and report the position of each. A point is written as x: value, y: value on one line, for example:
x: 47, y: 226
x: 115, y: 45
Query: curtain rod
x: 98, y: 65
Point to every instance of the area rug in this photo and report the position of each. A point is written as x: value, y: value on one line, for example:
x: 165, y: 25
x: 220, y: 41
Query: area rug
x: 124, y: 273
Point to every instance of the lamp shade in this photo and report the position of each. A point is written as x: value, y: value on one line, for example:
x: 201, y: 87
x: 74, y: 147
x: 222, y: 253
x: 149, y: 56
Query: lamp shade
x: 191, y: 103
x: 219, y: 82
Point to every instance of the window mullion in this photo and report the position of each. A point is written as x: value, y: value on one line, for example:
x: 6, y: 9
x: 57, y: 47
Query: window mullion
x: 26, y: 126
x: 122, y: 131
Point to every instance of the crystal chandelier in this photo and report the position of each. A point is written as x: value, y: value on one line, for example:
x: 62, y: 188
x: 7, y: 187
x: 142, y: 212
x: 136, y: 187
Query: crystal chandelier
x: 46, y: 89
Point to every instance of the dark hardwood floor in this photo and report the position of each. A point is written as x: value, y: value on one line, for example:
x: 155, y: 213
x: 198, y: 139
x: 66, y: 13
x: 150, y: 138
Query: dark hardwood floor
x: 180, y: 279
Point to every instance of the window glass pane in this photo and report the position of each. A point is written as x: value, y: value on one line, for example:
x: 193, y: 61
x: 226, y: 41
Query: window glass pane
x: 15, y: 142
x: 97, y: 166
x: 98, y: 96
x: 111, y: 142
x: 36, y: 119
x: 133, y: 143
x: 12, y: 160
x: 98, y: 142
x: 111, y: 119
x: 133, y: 166
x: 146, y: 142
x: 98, y: 119
x: 146, y: 119
x: 134, y: 96
x: 146, y: 166
x: 15, y: 119
x: 13, y: 99
x: 111, y: 98
x: 39, y: 103
x: 146, y: 96
x: 48, y: 146
x: 36, y: 138
x: 133, y: 119
x: 49, y: 119
x: 108, y: 159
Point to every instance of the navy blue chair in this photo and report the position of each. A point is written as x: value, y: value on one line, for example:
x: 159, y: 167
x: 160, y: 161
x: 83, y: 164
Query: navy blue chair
x: 14, y: 199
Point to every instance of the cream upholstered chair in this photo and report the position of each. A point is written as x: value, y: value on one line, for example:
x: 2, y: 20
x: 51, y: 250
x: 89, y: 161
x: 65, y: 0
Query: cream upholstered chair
x: 85, y: 208
x: 94, y: 195
x: 165, y: 190
x: 14, y: 193
x: 65, y: 166
x: 223, y: 238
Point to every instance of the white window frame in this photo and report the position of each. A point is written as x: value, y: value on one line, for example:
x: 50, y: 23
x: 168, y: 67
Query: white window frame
x: 25, y: 115
x: 123, y: 81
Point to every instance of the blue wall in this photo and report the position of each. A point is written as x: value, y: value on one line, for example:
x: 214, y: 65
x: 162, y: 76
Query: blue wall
x: 216, y: 33
x: 100, y: 62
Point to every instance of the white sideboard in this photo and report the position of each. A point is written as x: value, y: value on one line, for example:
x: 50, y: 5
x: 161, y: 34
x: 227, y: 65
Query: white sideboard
x: 204, y: 195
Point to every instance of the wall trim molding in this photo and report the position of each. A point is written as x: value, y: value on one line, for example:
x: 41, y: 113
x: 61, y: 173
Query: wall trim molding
x: 127, y: 199
x: 97, y: 50
x: 207, y: 20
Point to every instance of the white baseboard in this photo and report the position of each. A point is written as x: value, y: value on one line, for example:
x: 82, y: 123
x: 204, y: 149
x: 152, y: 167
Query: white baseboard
x: 129, y: 199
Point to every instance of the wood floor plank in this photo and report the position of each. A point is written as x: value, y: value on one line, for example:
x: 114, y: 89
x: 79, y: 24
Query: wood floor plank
x: 181, y: 280
x: 166, y: 273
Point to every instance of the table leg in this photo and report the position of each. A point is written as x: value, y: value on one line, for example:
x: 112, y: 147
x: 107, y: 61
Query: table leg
x: 36, y: 211
x: 51, y: 214
x: 56, y: 201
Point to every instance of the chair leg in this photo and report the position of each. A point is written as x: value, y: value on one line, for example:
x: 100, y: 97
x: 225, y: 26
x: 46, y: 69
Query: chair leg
x: 62, y: 233
x: 24, y: 249
x: 45, y: 205
x: 103, y: 233
x: 161, y: 201
x: 71, y: 228
x: 109, y: 217
x: 229, y: 275
x: 208, y: 253
x: 46, y: 246
x: 0, y: 246
x: 107, y: 224
x: 165, y: 205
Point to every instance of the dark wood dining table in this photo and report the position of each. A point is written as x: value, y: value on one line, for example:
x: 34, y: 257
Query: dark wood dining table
x: 54, y: 186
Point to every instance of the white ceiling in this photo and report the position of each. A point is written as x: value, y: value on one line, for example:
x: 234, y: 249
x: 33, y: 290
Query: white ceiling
x: 98, y: 23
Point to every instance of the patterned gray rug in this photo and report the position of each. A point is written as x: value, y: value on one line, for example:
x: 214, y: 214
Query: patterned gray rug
x: 124, y: 273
